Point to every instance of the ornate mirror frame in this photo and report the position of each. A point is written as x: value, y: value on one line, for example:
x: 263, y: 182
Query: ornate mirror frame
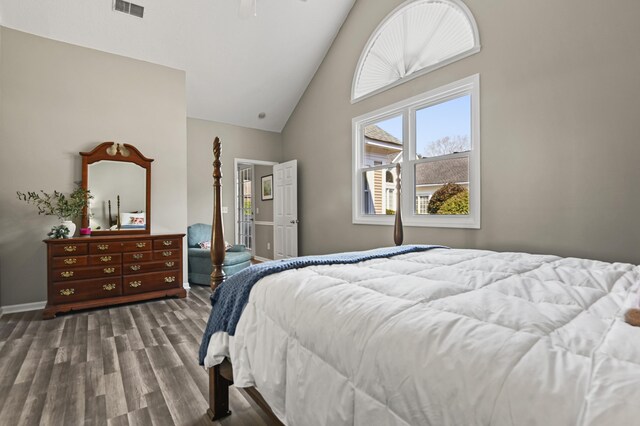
x: 113, y: 151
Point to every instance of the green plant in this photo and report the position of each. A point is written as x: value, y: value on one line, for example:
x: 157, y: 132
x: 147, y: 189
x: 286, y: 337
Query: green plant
x: 458, y: 204
x: 58, y: 231
x: 57, y: 204
x: 441, y: 195
x: 390, y: 212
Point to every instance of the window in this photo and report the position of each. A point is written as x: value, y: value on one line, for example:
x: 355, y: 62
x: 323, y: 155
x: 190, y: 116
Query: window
x: 417, y: 37
x: 422, y: 201
x: 435, y: 137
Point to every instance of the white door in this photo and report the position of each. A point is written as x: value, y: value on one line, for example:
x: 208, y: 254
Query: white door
x: 285, y: 210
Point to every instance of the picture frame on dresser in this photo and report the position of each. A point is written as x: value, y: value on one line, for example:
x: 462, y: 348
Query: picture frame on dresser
x: 119, y: 264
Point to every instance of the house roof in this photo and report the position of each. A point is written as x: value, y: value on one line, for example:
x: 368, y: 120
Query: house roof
x: 449, y: 170
x: 375, y: 133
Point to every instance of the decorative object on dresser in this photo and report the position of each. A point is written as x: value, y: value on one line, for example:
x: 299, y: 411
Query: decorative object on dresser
x: 89, y: 272
x: 66, y: 208
x: 117, y: 174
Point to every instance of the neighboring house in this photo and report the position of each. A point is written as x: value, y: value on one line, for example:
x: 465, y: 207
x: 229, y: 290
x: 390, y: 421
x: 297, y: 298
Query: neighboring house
x: 382, y: 148
x: 433, y: 175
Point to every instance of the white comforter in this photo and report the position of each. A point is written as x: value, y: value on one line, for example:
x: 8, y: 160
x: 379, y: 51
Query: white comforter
x: 443, y: 337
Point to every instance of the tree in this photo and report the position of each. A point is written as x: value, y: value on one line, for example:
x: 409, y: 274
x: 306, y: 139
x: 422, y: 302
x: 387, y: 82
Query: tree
x: 442, y: 195
x: 448, y: 145
x: 458, y: 204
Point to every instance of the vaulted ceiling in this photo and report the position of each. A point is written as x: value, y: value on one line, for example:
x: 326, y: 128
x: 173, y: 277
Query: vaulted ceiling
x: 235, y: 68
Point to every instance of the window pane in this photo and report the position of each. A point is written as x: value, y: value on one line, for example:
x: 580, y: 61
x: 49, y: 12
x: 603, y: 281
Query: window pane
x: 379, y: 192
x: 383, y: 142
x: 444, y: 128
x: 442, y: 186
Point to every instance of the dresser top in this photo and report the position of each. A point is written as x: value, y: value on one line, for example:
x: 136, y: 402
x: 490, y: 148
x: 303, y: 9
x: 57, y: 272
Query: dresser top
x: 97, y: 239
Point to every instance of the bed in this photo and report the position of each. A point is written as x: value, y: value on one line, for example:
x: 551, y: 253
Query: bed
x: 435, y: 336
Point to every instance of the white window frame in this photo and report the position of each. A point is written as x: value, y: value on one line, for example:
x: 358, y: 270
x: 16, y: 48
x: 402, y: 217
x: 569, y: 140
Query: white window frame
x: 407, y: 108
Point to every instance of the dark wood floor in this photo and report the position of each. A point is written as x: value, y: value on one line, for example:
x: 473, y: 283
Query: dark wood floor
x: 130, y: 365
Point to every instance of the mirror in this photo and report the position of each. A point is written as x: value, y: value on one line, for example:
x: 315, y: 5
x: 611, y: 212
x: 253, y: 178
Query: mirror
x: 119, y: 178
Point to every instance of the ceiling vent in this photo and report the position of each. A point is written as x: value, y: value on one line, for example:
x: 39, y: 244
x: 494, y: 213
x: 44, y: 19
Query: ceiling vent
x: 129, y: 8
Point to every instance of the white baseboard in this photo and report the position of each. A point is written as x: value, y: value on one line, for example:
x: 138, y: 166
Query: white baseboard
x: 262, y: 259
x: 186, y: 285
x: 12, y: 309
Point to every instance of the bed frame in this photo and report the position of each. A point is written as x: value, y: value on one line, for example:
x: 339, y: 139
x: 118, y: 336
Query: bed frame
x: 221, y: 376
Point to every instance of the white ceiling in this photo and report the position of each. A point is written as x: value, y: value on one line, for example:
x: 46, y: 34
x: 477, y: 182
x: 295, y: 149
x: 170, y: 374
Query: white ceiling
x: 235, y: 68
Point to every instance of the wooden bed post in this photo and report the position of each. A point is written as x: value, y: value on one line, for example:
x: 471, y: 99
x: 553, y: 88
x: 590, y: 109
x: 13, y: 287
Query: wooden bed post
x: 217, y: 234
x: 218, y: 394
x: 398, y: 235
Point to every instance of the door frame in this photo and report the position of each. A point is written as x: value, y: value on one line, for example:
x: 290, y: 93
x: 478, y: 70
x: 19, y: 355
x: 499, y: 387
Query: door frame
x: 236, y: 163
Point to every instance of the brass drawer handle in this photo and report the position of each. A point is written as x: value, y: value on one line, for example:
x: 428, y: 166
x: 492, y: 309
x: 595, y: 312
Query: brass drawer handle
x: 70, y: 261
x: 109, y: 287
x: 135, y: 284
x: 140, y: 245
x: 105, y: 258
x: 167, y: 243
x: 169, y: 264
x: 103, y: 246
x: 169, y: 279
x: 70, y: 248
x: 167, y: 253
x: 66, y: 274
x: 135, y: 267
x: 109, y: 270
x: 67, y: 291
x: 138, y: 256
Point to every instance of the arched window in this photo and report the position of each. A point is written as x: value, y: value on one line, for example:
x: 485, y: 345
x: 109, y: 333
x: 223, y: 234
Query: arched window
x: 417, y: 37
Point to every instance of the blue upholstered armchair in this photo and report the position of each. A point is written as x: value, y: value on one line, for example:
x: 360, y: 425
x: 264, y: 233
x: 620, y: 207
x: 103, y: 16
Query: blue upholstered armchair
x: 236, y: 258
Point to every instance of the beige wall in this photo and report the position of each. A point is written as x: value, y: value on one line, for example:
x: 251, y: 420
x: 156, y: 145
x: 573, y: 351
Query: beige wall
x: 560, y: 97
x: 237, y: 142
x: 59, y: 99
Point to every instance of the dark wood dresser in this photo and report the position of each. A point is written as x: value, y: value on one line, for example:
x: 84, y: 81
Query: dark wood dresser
x: 89, y: 272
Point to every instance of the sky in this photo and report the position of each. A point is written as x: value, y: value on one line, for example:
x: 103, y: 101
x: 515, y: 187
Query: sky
x: 450, y: 118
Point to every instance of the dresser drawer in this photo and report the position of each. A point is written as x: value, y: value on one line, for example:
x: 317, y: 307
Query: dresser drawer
x: 143, y: 256
x: 142, y: 267
x: 142, y: 283
x: 105, y: 259
x: 66, y: 262
x: 166, y: 254
x: 107, y: 247
x: 75, y: 291
x: 68, y: 249
x: 139, y: 245
x: 166, y: 244
x: 72, y: 274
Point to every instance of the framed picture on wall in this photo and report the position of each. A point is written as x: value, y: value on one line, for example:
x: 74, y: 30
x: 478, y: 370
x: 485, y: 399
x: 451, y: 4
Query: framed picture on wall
x: 267, y: 188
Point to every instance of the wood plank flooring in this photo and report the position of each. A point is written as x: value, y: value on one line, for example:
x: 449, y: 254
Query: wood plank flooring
x: 132, y: 365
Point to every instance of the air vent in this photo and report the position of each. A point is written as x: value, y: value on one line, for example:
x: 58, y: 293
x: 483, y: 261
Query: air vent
x: 129, y: 8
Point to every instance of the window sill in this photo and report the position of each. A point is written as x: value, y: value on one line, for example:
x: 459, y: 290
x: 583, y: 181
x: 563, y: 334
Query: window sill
x: 466, y: 222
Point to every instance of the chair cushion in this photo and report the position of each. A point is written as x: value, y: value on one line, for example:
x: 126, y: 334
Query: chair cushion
x: 235, y: 257
x: 230, y: 257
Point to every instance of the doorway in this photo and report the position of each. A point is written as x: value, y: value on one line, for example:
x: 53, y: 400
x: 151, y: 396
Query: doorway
x: 245, y: 206
x: 253, y: 216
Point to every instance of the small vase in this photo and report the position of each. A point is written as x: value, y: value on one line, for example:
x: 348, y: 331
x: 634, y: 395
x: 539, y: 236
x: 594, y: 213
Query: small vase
x: 71, y: 227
